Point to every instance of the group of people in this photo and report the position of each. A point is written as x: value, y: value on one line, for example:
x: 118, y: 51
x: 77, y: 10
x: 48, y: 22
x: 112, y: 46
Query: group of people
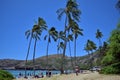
x: 39, y: 75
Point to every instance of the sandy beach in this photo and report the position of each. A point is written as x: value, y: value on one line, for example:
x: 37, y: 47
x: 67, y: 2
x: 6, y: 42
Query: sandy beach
x: 81, y: 76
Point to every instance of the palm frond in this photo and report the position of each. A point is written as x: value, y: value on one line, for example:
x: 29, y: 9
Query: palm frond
x: 118, y: 5
x: 27, y: 33
x: 41, y: 22
x: 45, y: 37
x: 60, y: 13
x: 70, y: 37
x: 49, y: 40
x: 62, y: 45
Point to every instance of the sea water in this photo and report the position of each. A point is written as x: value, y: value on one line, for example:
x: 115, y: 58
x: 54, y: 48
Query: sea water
x: 16, y: 73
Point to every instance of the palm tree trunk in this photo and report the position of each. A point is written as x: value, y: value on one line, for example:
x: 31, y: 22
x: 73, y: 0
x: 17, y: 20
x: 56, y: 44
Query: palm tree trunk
x: 64, y: 49
x: 91, y: 63
x: 100, y: 45
x: 47, y: 53
x: 58, y: 46
x: 34, y: 56
x: 27, y: 56
x: 71, y: 56
x: 75, y: 51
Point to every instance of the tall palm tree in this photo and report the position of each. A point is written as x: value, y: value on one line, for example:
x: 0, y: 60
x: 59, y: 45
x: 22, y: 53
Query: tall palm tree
x: 38, y: 29
x: 99, y: 35
x: 52, y: 33
x: 76, y: 32
x: 28, y: 34
x: 35, y: 33
x: 72, y: 12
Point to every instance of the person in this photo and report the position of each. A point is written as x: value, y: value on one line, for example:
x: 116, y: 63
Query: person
x: 50, y: 74
x: 47, y: 74
x: 41, y: 75
x: 76, y: 70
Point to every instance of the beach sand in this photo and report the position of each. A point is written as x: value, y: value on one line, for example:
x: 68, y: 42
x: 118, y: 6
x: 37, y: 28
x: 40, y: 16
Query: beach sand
x: 81, y: 76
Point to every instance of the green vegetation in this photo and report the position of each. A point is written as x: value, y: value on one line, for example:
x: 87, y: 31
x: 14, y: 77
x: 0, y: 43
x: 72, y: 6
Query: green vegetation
x: 111, y: 60
x: 4, y: 75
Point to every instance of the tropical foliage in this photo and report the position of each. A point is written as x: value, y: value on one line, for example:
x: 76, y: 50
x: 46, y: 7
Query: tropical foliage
x: 112, y: 57
x: 4, y: 75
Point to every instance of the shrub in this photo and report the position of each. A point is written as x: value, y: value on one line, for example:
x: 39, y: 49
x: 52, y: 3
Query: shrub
x: 4, y: 75
x: 112, y: 69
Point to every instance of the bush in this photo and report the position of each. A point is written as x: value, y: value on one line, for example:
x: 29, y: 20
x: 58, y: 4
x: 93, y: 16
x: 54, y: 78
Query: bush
x: 4, y: 75
x: 112, y: 69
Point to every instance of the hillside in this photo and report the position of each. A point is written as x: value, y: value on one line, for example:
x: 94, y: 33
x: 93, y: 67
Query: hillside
x: 54, y: 61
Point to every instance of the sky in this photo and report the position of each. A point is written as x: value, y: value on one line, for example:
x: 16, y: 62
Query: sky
x: 17, y: 16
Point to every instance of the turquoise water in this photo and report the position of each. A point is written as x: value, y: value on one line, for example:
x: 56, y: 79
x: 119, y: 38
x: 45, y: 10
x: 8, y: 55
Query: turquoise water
x: 16, y: 73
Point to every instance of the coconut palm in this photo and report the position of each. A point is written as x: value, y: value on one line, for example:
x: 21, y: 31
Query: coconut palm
x: 52, y: 33
x: 90, y: 46
x: 99, y: 36
x: 28, y: 34
x: 76, y: 32
x: 35, y: 33
x: 72, y: 12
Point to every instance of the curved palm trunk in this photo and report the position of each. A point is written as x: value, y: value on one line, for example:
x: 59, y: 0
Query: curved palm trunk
x: 34, y: 56
x: 27, y: 56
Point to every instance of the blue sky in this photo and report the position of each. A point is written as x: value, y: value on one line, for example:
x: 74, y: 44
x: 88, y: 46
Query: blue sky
x: 17, y: 16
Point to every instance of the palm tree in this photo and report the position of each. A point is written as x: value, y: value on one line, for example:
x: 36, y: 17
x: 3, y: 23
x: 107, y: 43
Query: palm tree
x: 37, y: 29
x: 72, y: 12
x: 28, y: 34
x: 90, y: 46
x: 99, y: 36
x: 76, y: 32
x: 52, y: 33
x: 35, y: 33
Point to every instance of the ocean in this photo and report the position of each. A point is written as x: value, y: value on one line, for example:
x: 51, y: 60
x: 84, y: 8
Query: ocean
x: 17, y: 73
